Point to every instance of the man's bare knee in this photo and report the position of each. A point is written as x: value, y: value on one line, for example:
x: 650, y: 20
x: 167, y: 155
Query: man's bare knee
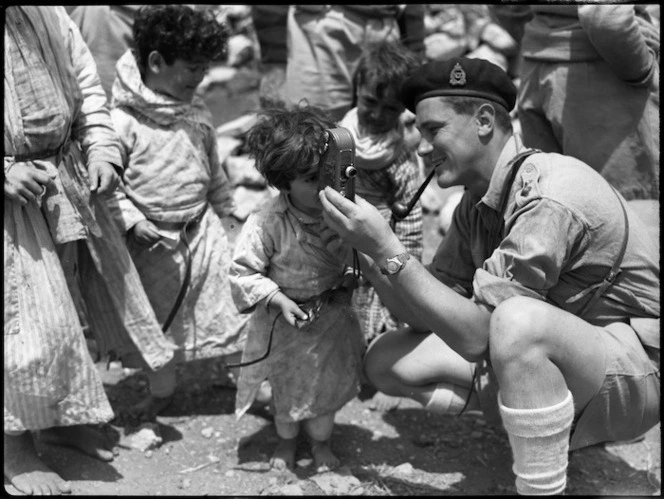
x: 516, y: 328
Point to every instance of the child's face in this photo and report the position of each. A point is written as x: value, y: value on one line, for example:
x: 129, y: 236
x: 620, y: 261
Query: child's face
x: 178, y: 80
x: 304, y: 193
x: 378, y: 113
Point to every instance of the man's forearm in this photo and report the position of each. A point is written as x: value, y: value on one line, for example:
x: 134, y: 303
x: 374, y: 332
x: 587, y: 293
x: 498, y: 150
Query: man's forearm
x: 389, y: 296
x: 417, y: 297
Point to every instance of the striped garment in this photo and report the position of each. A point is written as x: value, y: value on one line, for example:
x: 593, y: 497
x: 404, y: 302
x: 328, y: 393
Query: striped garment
x: 52, y: 93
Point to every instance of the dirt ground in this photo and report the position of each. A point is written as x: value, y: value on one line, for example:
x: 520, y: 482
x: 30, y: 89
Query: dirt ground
x: 202, y: 450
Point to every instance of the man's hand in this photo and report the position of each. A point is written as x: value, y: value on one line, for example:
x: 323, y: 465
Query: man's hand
x: 103, y: 177
x: 360, y: 224
x: 145, y: 233
x: 24, y: 183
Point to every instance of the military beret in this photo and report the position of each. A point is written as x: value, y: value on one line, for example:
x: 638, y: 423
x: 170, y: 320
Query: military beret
x: 459, y: 76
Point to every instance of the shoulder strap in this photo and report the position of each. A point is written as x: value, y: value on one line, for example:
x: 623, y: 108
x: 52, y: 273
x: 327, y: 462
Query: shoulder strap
x: 601, y: 287
x: 516, y: 163
x: 496, y: 233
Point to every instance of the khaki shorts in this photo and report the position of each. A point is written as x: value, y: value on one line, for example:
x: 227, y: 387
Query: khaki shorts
x: 625, y: 407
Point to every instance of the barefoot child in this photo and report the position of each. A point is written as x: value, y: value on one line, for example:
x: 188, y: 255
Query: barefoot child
x: 285, y: 276
x: 60, y: 154
x: 386, y: 161
x: 174, y: 191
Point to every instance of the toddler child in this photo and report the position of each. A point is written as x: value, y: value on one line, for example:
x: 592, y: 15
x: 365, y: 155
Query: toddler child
x: 174, y: 190
x: 388, y: 171
x: 284, y: 274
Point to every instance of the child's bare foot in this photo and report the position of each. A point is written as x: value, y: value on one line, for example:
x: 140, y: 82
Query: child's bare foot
x: 385, y: 403
x: 324, y: 458
x: 149, y: 408
x: 27, y: 472
x: 284, y: 455
x: 84, y: 438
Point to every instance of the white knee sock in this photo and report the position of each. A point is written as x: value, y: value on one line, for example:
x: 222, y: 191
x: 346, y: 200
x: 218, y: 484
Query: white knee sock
x: 447, y: 399
x: 540, y: 441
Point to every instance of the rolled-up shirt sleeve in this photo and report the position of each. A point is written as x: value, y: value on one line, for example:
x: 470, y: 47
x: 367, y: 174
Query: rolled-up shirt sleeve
x: 615, y: 34
x: 248, y: 271
x: 532, y: 255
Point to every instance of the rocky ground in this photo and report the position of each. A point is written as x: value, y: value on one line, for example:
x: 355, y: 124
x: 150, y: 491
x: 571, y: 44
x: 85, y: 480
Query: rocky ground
x: 197, y: 448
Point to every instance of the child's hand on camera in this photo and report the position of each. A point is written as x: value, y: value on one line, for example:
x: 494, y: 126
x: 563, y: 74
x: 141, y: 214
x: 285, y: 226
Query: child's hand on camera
x: 289, y: 309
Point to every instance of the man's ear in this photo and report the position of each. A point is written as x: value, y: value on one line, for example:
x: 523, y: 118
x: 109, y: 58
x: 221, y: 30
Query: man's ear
x: 155, y: 62
x: 486, y: 119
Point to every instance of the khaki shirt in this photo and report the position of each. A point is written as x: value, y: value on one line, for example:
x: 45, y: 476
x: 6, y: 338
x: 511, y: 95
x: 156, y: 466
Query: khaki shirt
x: 563, y: 228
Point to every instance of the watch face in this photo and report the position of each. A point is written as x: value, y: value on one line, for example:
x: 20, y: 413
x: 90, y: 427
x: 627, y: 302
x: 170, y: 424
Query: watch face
x: 392, y: 266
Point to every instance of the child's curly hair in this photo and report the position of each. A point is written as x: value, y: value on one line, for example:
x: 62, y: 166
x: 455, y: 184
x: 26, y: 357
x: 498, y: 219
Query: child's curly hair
x: 287, y: 143
x: 386, y: 64
x: 178, y: 32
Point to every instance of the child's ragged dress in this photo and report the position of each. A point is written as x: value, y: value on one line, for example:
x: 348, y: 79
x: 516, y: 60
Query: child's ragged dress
x: 313, y: 370
x: 172, y: 176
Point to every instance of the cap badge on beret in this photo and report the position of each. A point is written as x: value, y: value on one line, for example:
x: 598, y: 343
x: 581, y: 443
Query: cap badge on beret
x: 457, y: 76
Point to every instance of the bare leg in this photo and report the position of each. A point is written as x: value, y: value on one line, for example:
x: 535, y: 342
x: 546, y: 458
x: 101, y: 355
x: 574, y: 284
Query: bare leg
x: 320, y: 430
x: 27, y: 472
x: 549, y: 363
x: 407, y: 364
x: 538, y: 352
x: 284, y: 455
x: 383, y: 402
x: 84, y: 438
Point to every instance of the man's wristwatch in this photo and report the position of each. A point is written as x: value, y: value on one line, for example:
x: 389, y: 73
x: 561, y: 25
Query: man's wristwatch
x: 395, y: 264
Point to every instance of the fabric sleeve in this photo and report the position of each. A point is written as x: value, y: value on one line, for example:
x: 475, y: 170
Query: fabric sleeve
x: 220, y: 194
x: 93, y: 127
x: 251, y: 260
x: 615, y: 34
x: 453, y: 263
x: 532, y: 256
x: 122, y: 209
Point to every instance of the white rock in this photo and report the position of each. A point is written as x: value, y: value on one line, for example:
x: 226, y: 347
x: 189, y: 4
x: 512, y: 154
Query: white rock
x: 404, y: 469
x: 337, y: 482
x: 249, y: 200
x: 240, y: 50
x: 242, y: 171
x: 146, y: 438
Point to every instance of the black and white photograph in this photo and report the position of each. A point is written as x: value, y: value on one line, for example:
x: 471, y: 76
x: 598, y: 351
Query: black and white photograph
x: 332, y: 250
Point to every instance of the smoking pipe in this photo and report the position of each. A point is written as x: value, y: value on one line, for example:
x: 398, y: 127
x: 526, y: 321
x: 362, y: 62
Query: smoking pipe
x: 401, y: 210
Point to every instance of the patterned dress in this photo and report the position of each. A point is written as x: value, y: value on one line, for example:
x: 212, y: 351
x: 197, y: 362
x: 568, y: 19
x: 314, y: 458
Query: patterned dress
x: 55, y: 117
x: 173, y: 176
x: 396, y: 180
x: 315, y: 369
